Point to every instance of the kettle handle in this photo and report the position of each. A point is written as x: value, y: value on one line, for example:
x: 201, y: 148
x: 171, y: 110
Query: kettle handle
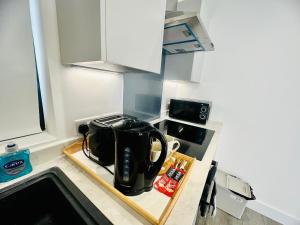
x: 155, y: 167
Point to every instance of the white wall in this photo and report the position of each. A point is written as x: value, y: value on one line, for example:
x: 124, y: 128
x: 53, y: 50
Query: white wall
x: 253, y: 80
x: 89, y: 92
x: 77, y: 92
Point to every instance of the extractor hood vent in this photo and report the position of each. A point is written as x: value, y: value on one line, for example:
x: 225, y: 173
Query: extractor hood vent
x: 184, y: 33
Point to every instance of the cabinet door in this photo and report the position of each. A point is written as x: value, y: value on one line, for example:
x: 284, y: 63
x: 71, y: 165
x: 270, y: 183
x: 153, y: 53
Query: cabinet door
x: 179, y: 66
x: 134, y: 33
x: 79, y: 30
x: 186, y: 67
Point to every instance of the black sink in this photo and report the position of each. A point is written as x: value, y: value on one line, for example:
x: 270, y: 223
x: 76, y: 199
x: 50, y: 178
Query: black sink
x: 48, y: 198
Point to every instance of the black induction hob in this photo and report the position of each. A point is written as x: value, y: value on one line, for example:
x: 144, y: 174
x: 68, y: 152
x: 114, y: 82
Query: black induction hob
x: 193, y: 140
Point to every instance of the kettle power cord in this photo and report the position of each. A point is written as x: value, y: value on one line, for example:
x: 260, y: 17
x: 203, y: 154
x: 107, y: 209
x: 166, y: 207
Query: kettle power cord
x: 84, y: 129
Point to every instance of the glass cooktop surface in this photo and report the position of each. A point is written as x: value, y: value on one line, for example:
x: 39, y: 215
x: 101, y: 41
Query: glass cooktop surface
x: 193, y: 140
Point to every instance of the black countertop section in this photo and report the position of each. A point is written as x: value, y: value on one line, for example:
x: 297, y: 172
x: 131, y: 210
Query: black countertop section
x: 194, y: 140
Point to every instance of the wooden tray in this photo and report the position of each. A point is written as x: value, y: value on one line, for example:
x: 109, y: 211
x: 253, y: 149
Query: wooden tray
x: 141, y: 203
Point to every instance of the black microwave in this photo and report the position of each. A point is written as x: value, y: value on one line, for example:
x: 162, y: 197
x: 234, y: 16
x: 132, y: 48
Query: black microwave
x: 190, y: 110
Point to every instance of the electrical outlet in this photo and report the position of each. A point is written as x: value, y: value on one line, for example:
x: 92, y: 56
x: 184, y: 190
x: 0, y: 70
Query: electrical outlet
x: 87, y: 120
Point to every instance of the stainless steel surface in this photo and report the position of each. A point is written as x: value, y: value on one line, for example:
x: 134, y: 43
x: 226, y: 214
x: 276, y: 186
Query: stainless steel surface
x: 195, y: 24
x: 142, y: 94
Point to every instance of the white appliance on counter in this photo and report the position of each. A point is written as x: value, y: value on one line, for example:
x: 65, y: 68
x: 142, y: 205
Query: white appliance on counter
x: 118, y: 36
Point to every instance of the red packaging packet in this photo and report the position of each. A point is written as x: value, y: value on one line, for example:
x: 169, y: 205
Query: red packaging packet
x: 164, y: 179
x: 173, y: 183
x: 169, y: 182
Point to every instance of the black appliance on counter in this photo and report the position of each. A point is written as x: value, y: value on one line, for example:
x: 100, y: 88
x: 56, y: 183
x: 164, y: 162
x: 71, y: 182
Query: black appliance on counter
x: 101, y: 140
x: 190, y: 110
x: 134, y: 171
x: 193, y: 140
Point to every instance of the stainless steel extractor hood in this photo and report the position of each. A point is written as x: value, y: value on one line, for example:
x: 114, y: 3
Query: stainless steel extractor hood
x: 184, y: 33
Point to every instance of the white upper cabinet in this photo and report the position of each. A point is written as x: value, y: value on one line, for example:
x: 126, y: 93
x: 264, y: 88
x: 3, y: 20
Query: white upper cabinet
x: 112, y: 35
x: 185, y: 67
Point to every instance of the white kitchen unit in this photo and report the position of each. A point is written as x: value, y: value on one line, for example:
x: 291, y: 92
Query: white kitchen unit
x: 184, y: 5
x: 185, y: 67
x: 116, y: 36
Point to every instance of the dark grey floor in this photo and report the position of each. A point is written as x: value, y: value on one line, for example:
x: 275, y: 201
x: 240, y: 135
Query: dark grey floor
x: 249, y: 217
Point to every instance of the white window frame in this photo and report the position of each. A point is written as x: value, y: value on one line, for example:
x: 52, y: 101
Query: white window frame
x: 50, y: 82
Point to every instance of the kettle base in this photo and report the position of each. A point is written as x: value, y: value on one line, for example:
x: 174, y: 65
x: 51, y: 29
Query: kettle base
x: 126, y: 191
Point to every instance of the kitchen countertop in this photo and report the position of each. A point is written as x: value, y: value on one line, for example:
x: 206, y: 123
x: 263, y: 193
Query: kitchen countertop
x: 185, y: 210
x: 114, y: 209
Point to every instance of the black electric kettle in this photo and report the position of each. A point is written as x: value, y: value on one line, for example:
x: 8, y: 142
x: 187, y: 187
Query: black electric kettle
x: 134, y: 171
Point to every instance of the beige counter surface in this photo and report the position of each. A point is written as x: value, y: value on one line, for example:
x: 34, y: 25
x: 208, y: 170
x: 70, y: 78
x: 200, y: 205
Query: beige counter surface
x: 115, y: 210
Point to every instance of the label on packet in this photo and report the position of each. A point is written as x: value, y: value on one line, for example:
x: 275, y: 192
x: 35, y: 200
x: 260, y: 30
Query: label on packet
x: 173, y: 183
x: 168, y: 183
x: 164, y: 179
